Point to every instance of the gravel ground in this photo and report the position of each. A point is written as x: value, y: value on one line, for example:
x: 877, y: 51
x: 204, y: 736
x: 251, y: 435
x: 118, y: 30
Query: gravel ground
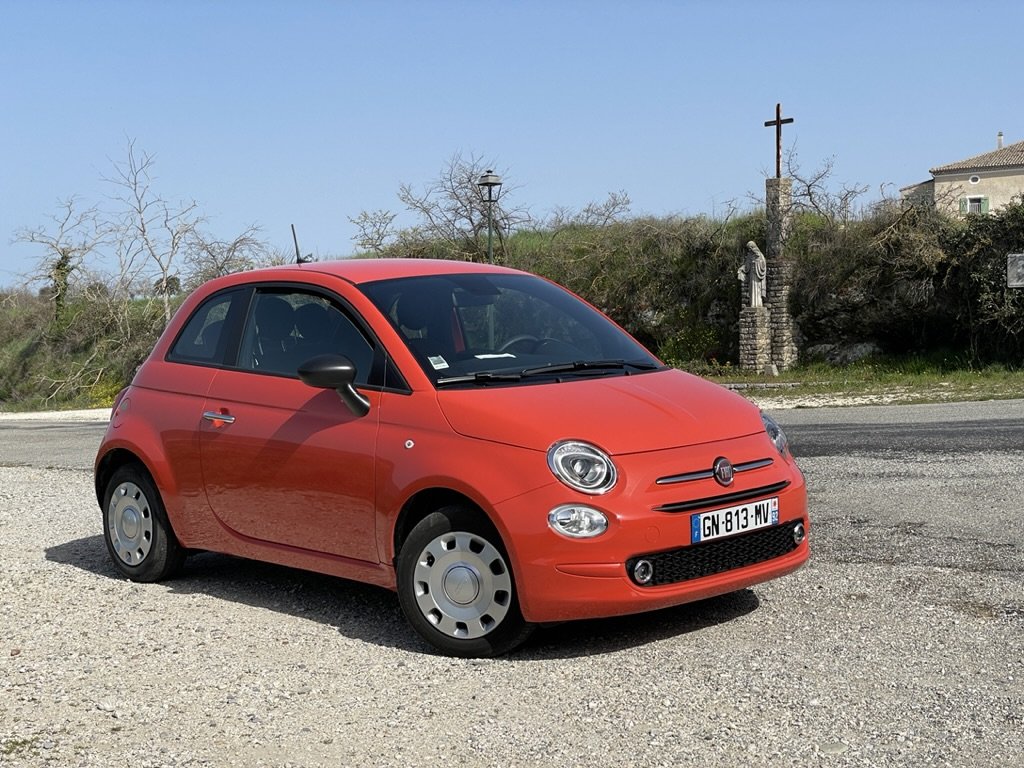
x: 891, y: 648
x: 85, y: 414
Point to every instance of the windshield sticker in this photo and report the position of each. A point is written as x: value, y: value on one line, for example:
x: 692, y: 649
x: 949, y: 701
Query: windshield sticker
x: 438, y: 362
x: 494, y: 356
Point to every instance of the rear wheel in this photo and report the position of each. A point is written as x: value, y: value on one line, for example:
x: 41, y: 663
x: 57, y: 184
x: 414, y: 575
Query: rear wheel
x: 138, y: 534
x: 456, y: 587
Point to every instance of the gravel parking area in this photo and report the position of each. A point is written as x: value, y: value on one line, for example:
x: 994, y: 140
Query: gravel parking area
x: 883, y: 651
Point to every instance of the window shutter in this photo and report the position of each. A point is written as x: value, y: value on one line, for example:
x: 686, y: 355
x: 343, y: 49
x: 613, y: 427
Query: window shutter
x: 984, y: 205
x: 963, y: 205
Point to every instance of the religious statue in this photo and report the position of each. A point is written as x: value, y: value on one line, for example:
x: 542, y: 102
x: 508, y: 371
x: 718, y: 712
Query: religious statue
x: 753, y: 274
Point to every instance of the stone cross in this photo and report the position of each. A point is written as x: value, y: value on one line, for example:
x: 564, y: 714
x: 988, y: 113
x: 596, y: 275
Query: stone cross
x: 778, y: 122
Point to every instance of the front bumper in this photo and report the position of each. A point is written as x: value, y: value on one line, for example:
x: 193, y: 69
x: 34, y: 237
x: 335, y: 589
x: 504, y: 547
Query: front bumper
x: 559, y: 579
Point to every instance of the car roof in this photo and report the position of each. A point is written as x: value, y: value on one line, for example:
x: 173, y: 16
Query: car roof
x: 370, y: 270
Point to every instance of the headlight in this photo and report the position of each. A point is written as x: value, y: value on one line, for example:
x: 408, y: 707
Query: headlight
x: 775, y: 433
x: 582, y: 467
x: 577, y: 522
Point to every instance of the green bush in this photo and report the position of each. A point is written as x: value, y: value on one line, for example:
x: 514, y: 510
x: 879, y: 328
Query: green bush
x: 929, y: 289
x: 912, y: 280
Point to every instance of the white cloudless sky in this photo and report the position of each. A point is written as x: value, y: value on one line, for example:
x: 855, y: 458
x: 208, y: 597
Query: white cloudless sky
x: 308, y: 112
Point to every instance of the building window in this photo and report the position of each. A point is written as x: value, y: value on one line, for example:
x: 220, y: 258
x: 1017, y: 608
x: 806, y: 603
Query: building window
x: 974, y: 179
x: 973, y: 205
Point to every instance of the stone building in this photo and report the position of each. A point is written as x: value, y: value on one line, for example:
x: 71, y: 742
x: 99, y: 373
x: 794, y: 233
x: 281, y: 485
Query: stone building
x: 979, y: 184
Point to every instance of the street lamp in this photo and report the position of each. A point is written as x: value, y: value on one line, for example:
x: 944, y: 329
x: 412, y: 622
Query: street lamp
x: 490, y: 189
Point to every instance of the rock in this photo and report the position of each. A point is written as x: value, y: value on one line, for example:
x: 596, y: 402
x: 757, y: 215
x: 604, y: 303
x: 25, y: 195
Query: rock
x: 852, y: 353
x: 834, y: 748
x: 841, y: 354
x: 819, y: 352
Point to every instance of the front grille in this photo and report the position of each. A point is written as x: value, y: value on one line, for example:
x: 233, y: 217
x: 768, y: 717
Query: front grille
x: 707, y: 474
x: 723, y: 499
x: 719, y: 555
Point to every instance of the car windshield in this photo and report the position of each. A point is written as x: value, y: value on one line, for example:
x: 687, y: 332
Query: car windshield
x: 480, y: 329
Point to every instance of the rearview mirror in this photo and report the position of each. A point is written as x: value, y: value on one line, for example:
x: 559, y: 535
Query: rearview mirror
x: 338, y: 373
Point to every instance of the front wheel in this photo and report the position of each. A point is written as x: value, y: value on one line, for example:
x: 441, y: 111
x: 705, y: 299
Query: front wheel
x: 456, y: 587
x: 139, y: 536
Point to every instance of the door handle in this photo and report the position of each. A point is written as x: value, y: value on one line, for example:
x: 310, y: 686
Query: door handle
x: 218, y: 418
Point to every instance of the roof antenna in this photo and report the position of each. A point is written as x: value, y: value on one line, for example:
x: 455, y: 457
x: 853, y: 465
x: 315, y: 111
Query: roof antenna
x: 299, y: 258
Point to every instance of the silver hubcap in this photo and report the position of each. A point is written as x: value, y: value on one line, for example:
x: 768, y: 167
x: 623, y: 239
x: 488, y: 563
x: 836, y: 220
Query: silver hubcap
x: 130, y: 523
x: 462, y: 584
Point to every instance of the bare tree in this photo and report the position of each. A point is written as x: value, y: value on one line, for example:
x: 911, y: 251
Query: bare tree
x: 150, y: 229
x: 613, y: 208
x: 451, y: 214
x: 67, y: 244
x: 103, y: 260
x: 275, y: 257
x: 375, y: 230
x: 811, y: 192
x: 208, y: 257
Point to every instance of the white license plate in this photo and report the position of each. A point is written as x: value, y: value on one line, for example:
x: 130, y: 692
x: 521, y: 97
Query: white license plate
x: 719, y: 523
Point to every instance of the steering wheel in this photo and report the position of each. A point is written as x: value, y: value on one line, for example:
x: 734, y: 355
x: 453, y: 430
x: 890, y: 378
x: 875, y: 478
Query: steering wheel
x: 518, y: 340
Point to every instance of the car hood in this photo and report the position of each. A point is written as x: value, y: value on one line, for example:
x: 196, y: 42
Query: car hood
x: 621, y: 414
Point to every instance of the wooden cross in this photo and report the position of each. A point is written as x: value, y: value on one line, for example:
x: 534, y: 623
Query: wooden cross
x: 778, y: 122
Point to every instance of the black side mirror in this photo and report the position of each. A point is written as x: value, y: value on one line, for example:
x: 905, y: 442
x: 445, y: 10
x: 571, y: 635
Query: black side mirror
x: 338, y: 373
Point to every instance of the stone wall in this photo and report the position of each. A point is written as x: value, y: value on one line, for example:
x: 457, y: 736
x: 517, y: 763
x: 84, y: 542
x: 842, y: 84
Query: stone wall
x: 778, y: 199
x: 755, y: 339
x: 767, y: 342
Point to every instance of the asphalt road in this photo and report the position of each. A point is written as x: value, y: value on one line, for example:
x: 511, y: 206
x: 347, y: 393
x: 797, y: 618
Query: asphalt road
x: 49, y: 443
x: 888, y: 430
x: 948, y: 428
x: 900, y: 643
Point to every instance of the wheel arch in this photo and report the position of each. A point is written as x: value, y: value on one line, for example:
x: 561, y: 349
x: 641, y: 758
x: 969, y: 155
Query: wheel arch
x: 112, y: 461
x: 487, y: 621
x: 429, y: 500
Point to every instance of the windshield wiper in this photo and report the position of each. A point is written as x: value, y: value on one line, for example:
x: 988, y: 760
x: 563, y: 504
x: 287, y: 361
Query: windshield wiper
x: 579, y: 366
x: 481, y: 377
x: 589, y: 365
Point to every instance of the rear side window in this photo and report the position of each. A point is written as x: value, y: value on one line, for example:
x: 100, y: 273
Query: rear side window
x: 204, y: 337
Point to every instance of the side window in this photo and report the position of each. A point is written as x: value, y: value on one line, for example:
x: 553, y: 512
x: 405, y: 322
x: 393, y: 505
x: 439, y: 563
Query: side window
x: 203, y: 338
x: 286, y: 328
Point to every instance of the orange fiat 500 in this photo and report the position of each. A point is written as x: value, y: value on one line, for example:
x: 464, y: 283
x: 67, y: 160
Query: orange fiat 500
x: 476, y: 438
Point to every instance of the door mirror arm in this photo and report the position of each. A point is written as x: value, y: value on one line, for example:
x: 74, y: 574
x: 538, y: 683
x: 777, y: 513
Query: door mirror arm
x: 335, y: 372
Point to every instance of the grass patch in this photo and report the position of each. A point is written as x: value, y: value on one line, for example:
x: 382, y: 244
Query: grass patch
x: 882, y: 380
x: 26, y: 746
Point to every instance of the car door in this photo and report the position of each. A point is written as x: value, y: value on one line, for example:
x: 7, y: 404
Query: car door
x: 284, y: 462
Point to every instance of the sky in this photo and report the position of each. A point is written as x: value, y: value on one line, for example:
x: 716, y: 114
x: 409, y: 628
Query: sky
x: 308, y: 112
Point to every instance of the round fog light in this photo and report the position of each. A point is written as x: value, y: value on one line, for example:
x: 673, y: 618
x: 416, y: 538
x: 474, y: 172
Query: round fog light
x: 799, y: 534
x: 643, y: 571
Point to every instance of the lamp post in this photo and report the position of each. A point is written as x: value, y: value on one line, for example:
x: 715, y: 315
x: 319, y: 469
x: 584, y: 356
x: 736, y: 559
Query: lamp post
x: 490, y: 189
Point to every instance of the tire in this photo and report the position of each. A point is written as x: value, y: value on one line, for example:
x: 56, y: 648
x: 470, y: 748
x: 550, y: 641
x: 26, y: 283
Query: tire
x: 456, y: 588
x: 139, y: 536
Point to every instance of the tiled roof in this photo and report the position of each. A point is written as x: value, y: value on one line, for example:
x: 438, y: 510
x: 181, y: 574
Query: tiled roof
x: 918, y: 184
x: 1011, y: 155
